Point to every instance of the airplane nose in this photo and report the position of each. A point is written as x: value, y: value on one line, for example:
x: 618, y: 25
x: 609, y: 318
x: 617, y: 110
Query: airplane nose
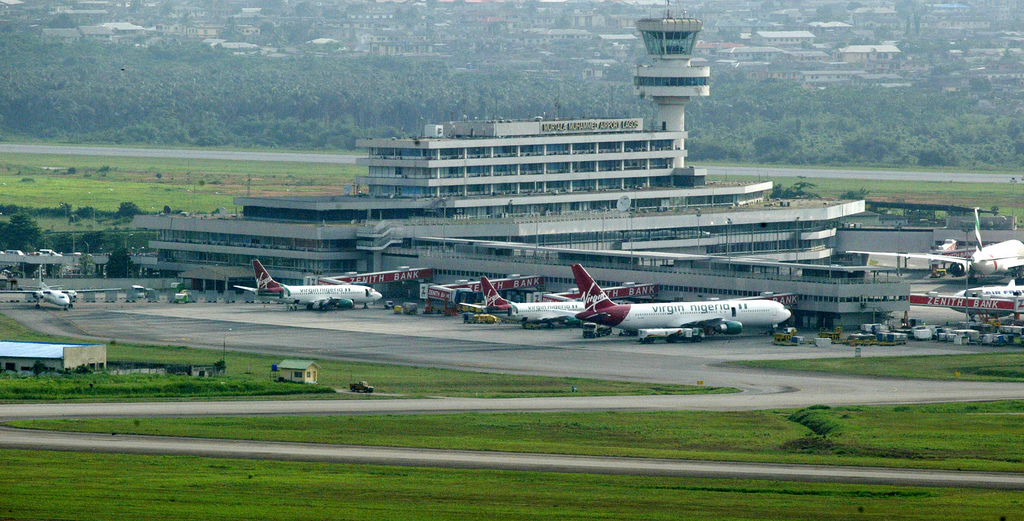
x: 786, y: 313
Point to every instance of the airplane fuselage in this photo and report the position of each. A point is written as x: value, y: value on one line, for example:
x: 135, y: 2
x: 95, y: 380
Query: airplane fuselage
x: 998, y: 258
x: 633, y: 317
x: 306, y: 295
x: 543, y: 311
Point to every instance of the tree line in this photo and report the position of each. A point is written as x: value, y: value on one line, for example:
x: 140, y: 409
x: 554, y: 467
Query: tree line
x: 192, y: 95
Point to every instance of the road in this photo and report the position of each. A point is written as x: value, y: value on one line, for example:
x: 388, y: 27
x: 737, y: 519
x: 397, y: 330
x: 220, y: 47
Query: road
x: 725, y: 171
x: 284, y: 157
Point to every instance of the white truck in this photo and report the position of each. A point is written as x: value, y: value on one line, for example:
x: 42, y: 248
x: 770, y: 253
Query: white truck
x: 671, y: 335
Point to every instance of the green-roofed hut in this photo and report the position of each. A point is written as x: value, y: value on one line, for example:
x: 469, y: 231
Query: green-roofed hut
x: 302, y: 371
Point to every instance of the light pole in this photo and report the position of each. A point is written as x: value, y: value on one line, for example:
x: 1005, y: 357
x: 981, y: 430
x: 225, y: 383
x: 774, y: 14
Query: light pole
x: 224, y: 346
x: 698, y: 231
x: 1013, y: 209
x: 728, y: 238
x: 899, y: 228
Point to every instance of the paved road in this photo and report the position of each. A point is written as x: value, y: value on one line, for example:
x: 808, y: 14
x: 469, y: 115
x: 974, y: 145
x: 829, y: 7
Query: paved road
x: 286, y: 157
x: 130, y: 444
x: 765, y: 172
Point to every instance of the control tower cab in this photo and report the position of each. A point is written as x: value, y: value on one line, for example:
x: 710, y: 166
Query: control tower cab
x: 670, y: 81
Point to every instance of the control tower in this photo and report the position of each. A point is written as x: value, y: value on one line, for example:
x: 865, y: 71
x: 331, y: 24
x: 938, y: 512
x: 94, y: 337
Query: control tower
x: 670, y: 81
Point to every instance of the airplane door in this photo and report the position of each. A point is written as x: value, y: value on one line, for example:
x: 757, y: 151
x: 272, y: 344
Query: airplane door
x: 734, y: 312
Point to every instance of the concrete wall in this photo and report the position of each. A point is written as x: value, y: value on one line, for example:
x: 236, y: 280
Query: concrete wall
x: 93, y: 356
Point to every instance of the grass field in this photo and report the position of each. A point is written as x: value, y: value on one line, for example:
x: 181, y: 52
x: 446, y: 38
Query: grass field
x: 983, y: 436
x: 181, y: 488
x: 1009, y: 198
x: 151, y: 183
x: 989, y: 367
x: 205, y: 185
x: 400, y: 381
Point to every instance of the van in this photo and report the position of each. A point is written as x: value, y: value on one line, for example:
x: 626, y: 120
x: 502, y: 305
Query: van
x: 13, y: 252
x: 45, y: 251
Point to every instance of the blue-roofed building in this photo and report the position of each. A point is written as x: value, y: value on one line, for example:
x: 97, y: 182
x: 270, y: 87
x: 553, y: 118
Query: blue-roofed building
x: 21, y: 357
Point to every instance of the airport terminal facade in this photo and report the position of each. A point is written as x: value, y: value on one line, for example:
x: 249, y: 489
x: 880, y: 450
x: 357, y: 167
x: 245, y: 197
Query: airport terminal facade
x: 471, y: 198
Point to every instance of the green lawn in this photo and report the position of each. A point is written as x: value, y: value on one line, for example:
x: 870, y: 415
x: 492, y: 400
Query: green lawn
x: 104, y: 486
x: 151, y: 183
x: 970, y: 436
x: 989, y: 367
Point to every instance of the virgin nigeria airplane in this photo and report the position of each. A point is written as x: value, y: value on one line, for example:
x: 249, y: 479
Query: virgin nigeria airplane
x: 319, y: 297
x: 527, y: 312
x: 717, y: 316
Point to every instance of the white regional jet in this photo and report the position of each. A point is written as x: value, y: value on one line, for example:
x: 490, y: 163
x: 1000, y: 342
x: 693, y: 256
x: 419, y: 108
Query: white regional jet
x: 321, y: 297
x: 55, y: 296
x: 1010, y: 290
x: 714, y: 316
x: 528, y: 312
x: 1005, y: 257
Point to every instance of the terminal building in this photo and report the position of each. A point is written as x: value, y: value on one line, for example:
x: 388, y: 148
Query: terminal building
x: 470, y: 198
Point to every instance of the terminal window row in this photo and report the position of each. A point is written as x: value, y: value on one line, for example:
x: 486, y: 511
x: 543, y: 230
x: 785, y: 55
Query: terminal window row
x: 506, y: 151
x: 457, y: 172
x: 228, y: 239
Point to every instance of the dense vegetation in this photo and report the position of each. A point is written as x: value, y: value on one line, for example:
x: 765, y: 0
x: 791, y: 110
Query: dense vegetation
x: 192, y: 95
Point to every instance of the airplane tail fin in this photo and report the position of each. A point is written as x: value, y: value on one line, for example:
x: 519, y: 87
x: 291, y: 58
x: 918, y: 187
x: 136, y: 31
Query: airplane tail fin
x: 977, y: 229
x: 491, y: 296
x: 264, y: 282
x: 594, y: 298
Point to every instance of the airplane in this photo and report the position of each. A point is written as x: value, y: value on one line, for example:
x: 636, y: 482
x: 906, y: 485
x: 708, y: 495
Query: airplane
x: 321, y: 297
x: 547, y: 313
x: 1005, y: 257
x: 55, y: 296
x: 715, y: 316
x: 1010, y: 290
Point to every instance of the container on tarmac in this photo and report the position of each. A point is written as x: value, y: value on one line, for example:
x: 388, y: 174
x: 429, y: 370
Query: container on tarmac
x: 671, y: 335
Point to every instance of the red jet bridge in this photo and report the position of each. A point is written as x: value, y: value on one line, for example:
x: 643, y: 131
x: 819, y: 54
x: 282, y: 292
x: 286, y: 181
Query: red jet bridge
x: 454, y: 294
x: 972, y: 305
x: 380, y: 277
x: 618, y: 292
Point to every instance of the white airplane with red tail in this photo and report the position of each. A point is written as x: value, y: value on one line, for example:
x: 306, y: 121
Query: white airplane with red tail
x: 321, y: 297
x: 527, y: 312
x: 715, y: 316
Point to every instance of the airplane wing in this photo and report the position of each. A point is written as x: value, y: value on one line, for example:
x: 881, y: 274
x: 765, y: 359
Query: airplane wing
x: 563, y: 313
x: 246, y: 288
x: 475, y: 307
x: 923, y: 256
x: 94, y: 290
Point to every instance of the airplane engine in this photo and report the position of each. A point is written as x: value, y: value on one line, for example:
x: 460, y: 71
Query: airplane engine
x: 730, y: 327
x: 346, y: 304
x: 956, y: 270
